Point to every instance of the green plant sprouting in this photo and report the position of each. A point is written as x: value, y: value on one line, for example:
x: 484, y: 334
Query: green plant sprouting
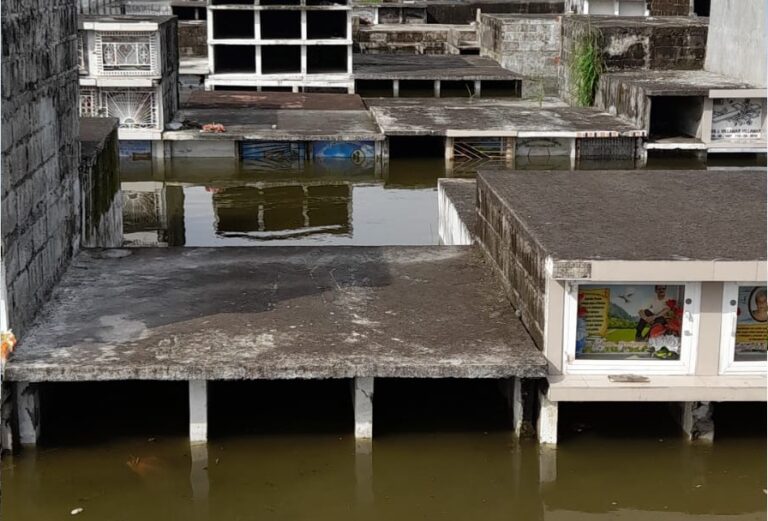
x: 586, y: 67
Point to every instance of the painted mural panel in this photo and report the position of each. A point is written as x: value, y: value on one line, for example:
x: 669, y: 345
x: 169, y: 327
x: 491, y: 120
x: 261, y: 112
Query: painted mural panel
x: 357, y: 151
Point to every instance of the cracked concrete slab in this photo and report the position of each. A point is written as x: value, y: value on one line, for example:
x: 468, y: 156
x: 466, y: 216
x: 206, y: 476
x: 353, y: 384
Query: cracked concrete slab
x: 277, y: 313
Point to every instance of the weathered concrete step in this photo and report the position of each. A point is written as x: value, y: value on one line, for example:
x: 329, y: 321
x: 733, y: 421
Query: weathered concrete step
x: 276, y: 313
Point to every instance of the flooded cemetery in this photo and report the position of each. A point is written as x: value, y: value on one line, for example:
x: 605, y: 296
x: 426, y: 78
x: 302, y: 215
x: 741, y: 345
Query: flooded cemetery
x: 346, y: 259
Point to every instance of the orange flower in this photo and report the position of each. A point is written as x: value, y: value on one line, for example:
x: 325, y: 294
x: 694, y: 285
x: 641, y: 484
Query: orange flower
x: 7, y: 343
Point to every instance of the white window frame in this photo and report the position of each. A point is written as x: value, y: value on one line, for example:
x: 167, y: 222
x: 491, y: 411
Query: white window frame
x: 728, y: 335
x: 689, y: 338
x: 132, y: 38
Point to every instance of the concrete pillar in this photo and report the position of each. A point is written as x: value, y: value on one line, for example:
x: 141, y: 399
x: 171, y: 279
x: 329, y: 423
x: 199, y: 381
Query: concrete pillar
x: 6, y: 417
x: 547, y: 423
x: 477, y: 88
x: 511, y: 389
x: 510, y: 149
x: 695, y: 418
x: 198, y: 411
x: 28, y: 410
x: 437, y: 88
x: 396, y: 88
x: 158, y: 149
x: 448, y: 148
x: 363, y: 403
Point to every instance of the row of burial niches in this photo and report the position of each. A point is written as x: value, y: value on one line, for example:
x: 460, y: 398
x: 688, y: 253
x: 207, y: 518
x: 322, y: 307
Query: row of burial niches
x: 281, y: 59
x: 281, y: 22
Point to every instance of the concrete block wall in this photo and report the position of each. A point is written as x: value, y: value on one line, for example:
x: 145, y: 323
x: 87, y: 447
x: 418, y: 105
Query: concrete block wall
x: 631, y: 43
x: 40, y: 150
x: 737, y: 40
x: 528, y: 45
x: 518, y: 259
x: 403, y: 39
x: 670, y: 7
x: 466, y: 12
x: 628, y: 101
x: 169, y: 52
x: 193, y: 38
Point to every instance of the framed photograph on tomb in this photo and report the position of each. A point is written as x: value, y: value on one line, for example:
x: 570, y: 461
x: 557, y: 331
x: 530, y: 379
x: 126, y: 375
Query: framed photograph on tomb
x: 744, y: 330
x: 738, y: 119
x: 638, y: 326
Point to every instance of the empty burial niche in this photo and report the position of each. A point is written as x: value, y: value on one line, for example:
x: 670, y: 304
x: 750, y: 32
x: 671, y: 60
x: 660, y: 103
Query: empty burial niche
x: 279, y: 2
x: 280, y: 407
x: 416, y: 146
x: 417, y: 89
x: 189, y: 13
x: 326, y: 25
x: 701, y: 7
x: 234, y: 59
x: 276, y: 89
x: 500, y: 89
x: 676, y: 116
x: 438, y: 405
x: 280, y: 59
x: 236, y: 24
x: 327, y: 59
x: 325, y: 2
x: 280, y: 25
x: 457, y: 89
x: 374, y: 88
x: 231, y: 2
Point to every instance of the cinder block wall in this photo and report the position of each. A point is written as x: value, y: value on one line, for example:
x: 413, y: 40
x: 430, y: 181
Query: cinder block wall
x: 528, y: 45
x: 670, y: 7
x: 169, y: 53
x: 737, y: 40
x: 632, y: 43
x: 193, y: 38
x: 40, y: 150
x: 518, y: 259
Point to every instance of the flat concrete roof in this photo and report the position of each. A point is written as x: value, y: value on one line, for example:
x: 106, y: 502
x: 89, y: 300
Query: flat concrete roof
x: 222, y: 99
x: 428, y: 67
x: 638, y: 215
x: 278, y: 125
x: 86, y: 21
x: 276, y: 313
x: 677, y: 83
x: 493, y: 117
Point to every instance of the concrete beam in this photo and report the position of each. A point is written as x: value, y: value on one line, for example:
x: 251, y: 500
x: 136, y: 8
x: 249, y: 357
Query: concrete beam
x: 511, y: 389
x: 198, y: 411
x: 363, y: 403
x: 547, y: 423
x: 28, y: 410
x: 695, y: 418
x: 6, y: 417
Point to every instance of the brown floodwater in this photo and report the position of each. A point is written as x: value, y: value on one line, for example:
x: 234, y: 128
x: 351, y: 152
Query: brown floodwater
x: 443, y: 449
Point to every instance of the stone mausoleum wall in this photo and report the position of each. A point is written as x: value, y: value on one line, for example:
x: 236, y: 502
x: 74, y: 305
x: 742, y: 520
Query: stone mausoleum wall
x: 193, y: 38
x: 525, y: 44
x: 636, y: 43
x: 40, y: 150
x: 516, y: 256
x: 737, y: 40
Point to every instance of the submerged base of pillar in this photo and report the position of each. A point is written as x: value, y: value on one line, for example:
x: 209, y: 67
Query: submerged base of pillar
x: 198, y: 411
x: 695, y: 418
x: 28, y: 411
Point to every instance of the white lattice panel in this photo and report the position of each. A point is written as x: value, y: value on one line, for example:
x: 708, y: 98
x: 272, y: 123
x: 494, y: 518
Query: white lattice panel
x: 135, y: 108
x: 127, y: 53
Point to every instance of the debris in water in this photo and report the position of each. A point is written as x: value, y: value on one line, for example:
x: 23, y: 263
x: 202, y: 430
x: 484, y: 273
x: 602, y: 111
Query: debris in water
x: 144, y: 466
x: 214, y: 128
x: 76, y: 511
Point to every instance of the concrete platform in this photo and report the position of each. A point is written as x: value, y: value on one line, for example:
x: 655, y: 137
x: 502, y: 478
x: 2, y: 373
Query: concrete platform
x: 246, y: 313
x: 457, y: 199
x: 277, y: 125
x: 496, y: 118
x: 273, y: 100
x: 674, y: 83
x: 428, y: 67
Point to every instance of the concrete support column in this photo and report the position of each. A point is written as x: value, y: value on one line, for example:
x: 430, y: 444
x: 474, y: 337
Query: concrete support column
x: 6, y: 417
x: 364, y: 472
x: 396, y: 88
x: 198, y: 474
x: 28, y: 410
x: 362, y: 398
x: 547, y: 465
x: 437, y: 88
x: 448, y: 148
x: 510, y: 149
x: 477, y: 92
x: 511, y: 389
x: 158, y: 149
x: 547, y: 423
x: 695, y: 418
x: 198, y: 411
